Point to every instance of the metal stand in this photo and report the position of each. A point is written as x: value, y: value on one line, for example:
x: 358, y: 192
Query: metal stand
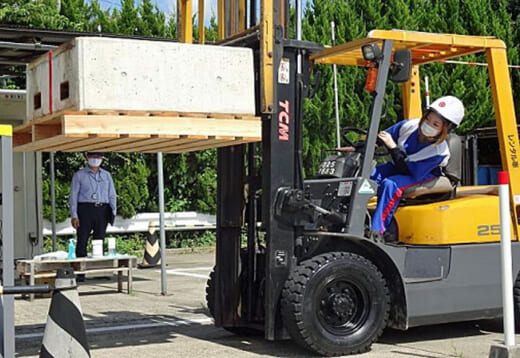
x: 7, y: 302
x: 160, y: 180
x: 53, y: 203
x: 509, y: 348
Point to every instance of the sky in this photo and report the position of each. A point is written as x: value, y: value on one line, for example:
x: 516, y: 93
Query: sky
x: 169, y: 6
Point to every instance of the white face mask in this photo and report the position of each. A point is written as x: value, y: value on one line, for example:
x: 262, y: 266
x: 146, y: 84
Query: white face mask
x: 94, y: 162
x: 428, y: 130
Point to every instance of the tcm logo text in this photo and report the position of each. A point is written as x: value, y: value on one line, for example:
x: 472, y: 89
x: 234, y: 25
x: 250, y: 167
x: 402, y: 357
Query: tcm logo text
x: 283, y: 121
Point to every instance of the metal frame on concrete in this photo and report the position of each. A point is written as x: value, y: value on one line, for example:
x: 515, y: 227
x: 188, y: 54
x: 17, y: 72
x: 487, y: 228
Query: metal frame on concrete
x: 7, y: 302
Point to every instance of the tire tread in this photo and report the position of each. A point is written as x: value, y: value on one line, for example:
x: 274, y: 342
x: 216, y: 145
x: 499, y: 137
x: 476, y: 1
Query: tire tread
x: 293, y: 296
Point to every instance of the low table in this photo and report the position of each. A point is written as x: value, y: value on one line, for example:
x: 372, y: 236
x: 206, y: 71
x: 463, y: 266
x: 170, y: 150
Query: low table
x: 32, y: 269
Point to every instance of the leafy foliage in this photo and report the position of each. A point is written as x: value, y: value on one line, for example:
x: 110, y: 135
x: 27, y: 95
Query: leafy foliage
x: 38, y: 14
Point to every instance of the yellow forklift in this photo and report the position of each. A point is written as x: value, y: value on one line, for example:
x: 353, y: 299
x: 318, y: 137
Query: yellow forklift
x: 294, y: 256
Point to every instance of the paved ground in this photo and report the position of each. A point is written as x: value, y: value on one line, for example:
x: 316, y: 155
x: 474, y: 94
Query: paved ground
x: 148, y: 324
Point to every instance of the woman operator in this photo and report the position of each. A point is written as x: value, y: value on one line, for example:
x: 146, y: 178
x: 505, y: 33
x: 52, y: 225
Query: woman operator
x: 419, y: 150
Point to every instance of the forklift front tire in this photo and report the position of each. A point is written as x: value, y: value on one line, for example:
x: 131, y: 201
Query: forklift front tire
x: 210, y: 301
x: 336, y: 303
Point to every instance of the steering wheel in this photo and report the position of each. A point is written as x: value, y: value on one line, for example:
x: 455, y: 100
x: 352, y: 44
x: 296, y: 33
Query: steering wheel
x: 359, y: 131
x: 380, y: 151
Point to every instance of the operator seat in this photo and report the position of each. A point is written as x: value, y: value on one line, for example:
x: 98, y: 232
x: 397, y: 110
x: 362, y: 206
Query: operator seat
x: 443, y: 187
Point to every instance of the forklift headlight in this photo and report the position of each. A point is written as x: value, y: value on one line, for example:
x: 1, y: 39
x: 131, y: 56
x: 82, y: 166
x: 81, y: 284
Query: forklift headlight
x: 371, y: 52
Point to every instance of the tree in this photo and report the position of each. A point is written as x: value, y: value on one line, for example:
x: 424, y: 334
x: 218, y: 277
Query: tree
x: 127, y: 22
x: 151, y: 21
x: 102, y: 20
x: 39, y: 14
x: 76, y: 12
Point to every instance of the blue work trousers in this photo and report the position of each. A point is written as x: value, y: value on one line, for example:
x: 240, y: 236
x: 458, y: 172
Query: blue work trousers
x: 391, y: 187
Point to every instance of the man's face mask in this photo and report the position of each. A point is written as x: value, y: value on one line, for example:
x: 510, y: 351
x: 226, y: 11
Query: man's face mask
x: 95, y: 162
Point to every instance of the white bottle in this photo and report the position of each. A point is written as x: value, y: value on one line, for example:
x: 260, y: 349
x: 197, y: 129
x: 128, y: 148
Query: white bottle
x: 97, y: 248
x: 111, y: 246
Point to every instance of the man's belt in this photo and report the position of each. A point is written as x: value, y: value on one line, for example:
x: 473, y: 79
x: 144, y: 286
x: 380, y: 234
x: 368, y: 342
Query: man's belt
x: 96, y: 205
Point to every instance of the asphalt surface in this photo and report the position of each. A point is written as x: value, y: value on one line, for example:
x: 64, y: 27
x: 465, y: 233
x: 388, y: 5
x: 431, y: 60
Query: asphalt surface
x: 146, y: 323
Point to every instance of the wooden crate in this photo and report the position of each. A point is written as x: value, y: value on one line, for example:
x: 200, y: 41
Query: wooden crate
x: 135, y: 131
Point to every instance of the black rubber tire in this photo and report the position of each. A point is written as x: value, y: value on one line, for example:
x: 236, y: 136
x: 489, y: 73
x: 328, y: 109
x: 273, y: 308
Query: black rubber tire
x: 516, y: 303
x: 210, y: 293
x: 210, y: 301
x: 363, y: 299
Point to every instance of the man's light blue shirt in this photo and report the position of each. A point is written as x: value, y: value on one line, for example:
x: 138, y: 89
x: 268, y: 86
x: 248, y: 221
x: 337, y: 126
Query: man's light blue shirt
x: 92, y: 187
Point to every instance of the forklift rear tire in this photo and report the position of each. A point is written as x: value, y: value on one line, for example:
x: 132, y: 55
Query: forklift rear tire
x: 516, y: 303
x: 335, y: 304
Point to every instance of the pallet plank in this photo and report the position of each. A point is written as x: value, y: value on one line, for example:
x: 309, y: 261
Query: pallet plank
x: 205, y: 146
x: 174, y: 143
x: 107, y: 146
x: 21, y: 138
x: 41, y: 131
x: 51, y: 118
x: 133, y: 147
x: 160, y: 125
x: 23, y: 128
x: 45, y: 145
x: 209, y: 141
x: 129, y: 131
x: 78, y: 146
x: 146, y: 143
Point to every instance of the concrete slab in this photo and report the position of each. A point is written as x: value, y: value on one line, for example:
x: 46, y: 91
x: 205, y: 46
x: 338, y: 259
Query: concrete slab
x: 94, y: 73
x: 503, y: 351
x: 178, y: 325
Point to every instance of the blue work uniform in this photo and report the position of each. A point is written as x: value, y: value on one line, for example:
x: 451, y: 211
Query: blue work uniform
x: 423, y: 161
x: 93, y: 201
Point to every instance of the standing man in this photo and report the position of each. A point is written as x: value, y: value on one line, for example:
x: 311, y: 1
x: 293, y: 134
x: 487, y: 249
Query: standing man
x: 92, y: 202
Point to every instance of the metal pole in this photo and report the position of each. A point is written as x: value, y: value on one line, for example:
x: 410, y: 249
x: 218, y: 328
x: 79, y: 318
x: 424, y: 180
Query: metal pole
x: 507, y: 266
x: 160, y: 180
x: 335, y: 73
x: 7, y: 302
x: 53, y: 203
x: 299, y: 32
x: 427, y: 91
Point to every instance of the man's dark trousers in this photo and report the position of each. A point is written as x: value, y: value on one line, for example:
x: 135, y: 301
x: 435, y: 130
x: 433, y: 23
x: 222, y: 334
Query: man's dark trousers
x: 92, y: 217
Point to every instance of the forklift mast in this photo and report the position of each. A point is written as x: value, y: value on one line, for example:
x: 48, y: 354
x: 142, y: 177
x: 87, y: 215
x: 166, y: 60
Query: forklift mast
x: 279, y: 91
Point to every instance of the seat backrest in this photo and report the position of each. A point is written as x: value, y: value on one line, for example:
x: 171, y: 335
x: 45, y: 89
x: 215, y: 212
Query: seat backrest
x: 453, y: 169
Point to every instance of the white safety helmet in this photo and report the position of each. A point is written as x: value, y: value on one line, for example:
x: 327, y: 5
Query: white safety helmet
x: 450, y: 108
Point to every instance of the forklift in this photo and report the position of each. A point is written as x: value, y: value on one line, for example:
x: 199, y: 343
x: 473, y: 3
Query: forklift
x: 295, y: 256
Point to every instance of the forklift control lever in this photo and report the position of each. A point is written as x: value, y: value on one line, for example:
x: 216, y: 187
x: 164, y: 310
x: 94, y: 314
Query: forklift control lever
x: 290, y: 200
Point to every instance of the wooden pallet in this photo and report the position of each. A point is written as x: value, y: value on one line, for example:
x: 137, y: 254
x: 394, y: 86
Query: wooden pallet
x: 134, y: 131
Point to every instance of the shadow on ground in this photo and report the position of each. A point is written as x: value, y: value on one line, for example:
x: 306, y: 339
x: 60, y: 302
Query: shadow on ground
x: 169, y: 327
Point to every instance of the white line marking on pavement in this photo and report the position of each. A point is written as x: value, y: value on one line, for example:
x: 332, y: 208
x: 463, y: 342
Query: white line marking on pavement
x: 194, y: 269
x: 158, y: 323
x: 182, y: 273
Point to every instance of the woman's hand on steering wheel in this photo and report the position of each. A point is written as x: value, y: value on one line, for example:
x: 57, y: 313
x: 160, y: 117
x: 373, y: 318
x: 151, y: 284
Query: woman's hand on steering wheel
x: 381, y: 146
x: 387, y: 140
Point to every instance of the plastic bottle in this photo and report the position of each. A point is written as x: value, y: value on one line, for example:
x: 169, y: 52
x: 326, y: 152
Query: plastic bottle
x: 111, y: 246
x: 72, y: 249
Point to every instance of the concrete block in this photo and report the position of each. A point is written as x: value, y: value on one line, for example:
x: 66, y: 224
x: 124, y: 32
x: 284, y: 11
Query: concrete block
x: 93, y: 73
x: 502, y: 351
